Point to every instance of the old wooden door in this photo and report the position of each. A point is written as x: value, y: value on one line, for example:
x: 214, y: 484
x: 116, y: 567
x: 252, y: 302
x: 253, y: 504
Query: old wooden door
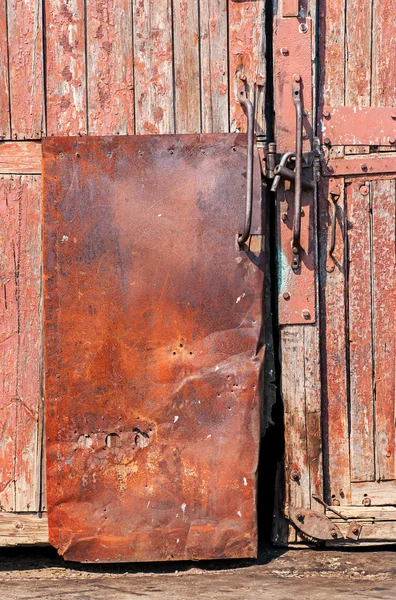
x: 338, y: 369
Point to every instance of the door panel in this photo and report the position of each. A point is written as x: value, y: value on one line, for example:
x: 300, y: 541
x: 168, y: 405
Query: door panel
x: 152, y: 347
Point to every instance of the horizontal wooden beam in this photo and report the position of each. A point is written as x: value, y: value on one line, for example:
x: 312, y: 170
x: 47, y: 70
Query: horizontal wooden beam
x: 22, y: 158
x: 23, y: 528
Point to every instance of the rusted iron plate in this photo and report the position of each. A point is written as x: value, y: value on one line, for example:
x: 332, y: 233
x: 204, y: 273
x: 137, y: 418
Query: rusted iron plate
x: 152, y: 324
x: 293, y: 55
x: 372, y: 164
x: 351, y: 125
x: 314, y: 524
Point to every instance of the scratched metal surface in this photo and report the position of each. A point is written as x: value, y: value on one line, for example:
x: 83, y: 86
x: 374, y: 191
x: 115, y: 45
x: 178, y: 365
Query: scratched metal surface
x: 152, y: 324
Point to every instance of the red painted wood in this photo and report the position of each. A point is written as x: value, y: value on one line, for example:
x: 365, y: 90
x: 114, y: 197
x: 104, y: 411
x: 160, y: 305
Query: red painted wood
x: 360, y: 334
x: 110, y: 67
x: 384, y: 303
x: 65, y: 67
x: 25, y: 49
x: 5, y: 129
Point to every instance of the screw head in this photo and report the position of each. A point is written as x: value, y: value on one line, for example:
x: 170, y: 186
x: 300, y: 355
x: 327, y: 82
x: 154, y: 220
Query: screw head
x: 326, y: 114
x: 366, y: 502
x: 364, y: 190
x: 391, y: 140
x: 300, y: 516
x: 327, y: 141
x: 284, y: 217
x: 284, y: 51
x: 333, y: 533
x: 355, y: 531
x: 295, y: 475
x: 306, y: 314
x: 330, y: 169
x: 297, y: 78
x: 286, y: 295
x: 242, y: 77
x: 388, y: 455
x: 364, y: 167
x: 303, y: 28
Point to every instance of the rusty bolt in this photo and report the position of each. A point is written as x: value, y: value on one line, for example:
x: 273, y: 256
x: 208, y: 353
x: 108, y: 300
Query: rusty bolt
x: 327, y: 141
x: 242, y: 77
x: 295, y: 475
x: 364, y: 167
x: 303, y: 28
x: 297, y: 78
x: 388, y: 454
x: 391, y: 140
x: 366, y: 501
x: 295, y: 250
x: 333, y: 533
x: 300, y: 517
x: 355, y: 530
x: 330, y: 169
x: 336, y: 502
x: 326, y: 114
x: 284, y: 217
x: 364, y: 190
x: 284, y: 51
x: 286, y: 295
x: 306, y: 314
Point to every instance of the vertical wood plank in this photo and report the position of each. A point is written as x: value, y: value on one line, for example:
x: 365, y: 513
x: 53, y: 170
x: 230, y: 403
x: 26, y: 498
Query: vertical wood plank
x: 5, y: 129
x: 246, y: 56
x: 358, y: 53
x: 28, y: 400
x: 384, y: 303
x: 186, y: 66
x: 384, y: 55
x: 65, y: 67
x: 25, y: 48
x: 331, y: 52
x: 214, y: 65
x: 9, y: 256
x: 334, y: 352
x: 360, y: 340
x: 153, y: 69
x: 110, y: 67
x: 293, y: 395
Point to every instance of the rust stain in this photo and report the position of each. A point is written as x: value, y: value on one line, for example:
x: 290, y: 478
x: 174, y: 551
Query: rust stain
x: 152, y: 324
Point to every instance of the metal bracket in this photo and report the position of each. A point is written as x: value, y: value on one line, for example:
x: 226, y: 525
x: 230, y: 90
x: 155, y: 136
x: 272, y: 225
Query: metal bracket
x: 314, y: 525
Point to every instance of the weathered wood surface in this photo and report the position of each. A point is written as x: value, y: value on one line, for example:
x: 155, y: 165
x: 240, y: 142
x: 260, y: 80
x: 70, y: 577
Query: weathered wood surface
x: 20, y: 450
x: 20, y: 157
x: 5, y: 125
x: 23, y: 528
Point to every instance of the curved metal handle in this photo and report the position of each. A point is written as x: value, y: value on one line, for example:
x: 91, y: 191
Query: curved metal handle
x: 298, y: 172
x: 283, y: 162
x: 248, y: 106
x: 330, y: 267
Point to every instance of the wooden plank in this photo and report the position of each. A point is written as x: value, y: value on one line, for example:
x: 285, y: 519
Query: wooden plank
x: 152, y: 39
x: 28, y: 392
x: 367, y: 513
x: 358, y: 54
x: 5, y: 125
x: 376, y: 493
x: 246, y: 56
x: 25, y: 49
x: 334, y: 351
x: 297, y: 466
x: 384, y: 302
x: 186, y: 66
x: 9, y: 252
x: 214, y: 65
x: 20, y: 157
x: 312, y: 387
x: 384, y: 56
x: 23, y: 528
x: 110, y: 67
x: 332, y: 51
x: 360, y: 334
x: 65, y: 68
x: 384, y: 531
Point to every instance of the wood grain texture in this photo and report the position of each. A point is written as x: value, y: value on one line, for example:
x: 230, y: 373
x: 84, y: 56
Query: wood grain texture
x: 153, y: 69
x: 23, y: 528
x: 360, y: 334
x: 110, y: 67
x: 379, y: 493
x: 186, y: 66
x: 384, y: 329
x: 25, y: 48
x: 332, y: 52
x: 65, y: 67
x: 214, y: 66
x: 358, y: 52
x: 384, y: 56
x: 246, y: 56
x: 334, y: 352
x: 20, y: 157
x: 5, y: 125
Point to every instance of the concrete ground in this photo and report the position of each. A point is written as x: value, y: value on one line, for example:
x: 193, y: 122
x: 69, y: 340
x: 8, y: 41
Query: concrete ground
x: 277, y: 575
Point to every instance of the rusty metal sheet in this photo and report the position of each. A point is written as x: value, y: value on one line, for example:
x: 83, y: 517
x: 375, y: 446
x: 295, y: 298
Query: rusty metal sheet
x: 355, y: 126
x: 152, y: 348
x: 371, y: 164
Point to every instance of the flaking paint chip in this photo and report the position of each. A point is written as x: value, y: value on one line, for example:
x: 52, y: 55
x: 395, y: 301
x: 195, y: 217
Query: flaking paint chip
x: 175, y: 418
x: 240, y: 298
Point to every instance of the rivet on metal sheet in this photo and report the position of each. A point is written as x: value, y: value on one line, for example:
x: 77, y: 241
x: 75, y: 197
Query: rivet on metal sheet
x: 364, y: 190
